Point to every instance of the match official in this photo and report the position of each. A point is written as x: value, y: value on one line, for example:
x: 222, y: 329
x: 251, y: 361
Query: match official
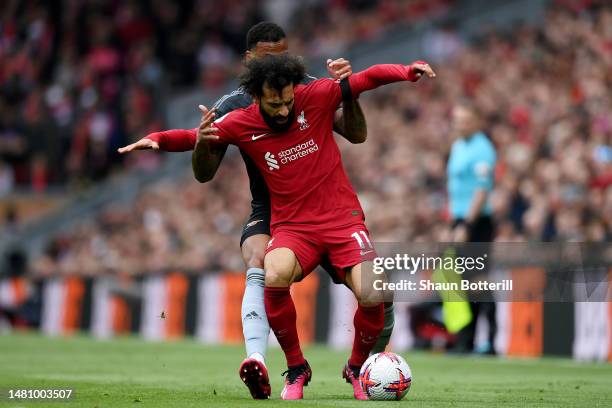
x: 470, y: 181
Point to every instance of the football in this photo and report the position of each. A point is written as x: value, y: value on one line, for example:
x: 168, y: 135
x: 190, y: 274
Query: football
x: 385, y: 376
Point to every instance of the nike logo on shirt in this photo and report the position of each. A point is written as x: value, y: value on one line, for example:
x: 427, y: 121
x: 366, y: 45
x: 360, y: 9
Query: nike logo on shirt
x: 259, y: 136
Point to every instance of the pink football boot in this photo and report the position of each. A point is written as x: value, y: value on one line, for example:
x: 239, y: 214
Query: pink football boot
x: 351, y: 375
x: 297, y: 378
x: 254, y: 374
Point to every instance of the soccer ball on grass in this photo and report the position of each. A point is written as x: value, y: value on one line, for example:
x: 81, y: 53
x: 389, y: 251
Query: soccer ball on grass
x: 385, y: 376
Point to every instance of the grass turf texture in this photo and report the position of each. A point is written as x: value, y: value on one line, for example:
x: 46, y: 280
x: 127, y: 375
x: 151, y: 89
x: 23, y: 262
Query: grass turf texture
x: 132, y: 373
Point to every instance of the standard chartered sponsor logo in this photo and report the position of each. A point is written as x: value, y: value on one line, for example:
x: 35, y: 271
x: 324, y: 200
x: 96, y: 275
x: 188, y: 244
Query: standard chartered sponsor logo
x: 293, y: 153
x: 297, y: 151
x: 272, y: 162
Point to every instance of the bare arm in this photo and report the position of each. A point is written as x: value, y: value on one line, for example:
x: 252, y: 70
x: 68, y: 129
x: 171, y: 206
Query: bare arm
x: 205, y: 160
x: 206, y: 156
x: 174, y: 140
x: 350, y: 122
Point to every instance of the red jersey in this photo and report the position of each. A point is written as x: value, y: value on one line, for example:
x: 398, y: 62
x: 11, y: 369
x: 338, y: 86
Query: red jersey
x: 302, y: 166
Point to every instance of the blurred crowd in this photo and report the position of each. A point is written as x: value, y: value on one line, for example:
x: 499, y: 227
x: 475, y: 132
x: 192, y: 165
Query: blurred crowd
x: 76, y: 79
x: 544, y: 94
x: 79, y: 78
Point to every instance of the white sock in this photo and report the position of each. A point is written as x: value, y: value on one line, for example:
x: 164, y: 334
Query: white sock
x: 259, y: 357
x: 255, y: 327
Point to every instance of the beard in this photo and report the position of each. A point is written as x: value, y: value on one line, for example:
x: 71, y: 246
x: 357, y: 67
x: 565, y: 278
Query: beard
x: 272, y: 122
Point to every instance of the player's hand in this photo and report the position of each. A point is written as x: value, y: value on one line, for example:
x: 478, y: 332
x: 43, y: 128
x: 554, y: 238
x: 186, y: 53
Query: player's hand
x: 339, y: 68
x: 142, y: 144
x: 206, y: 130
x: 420, y: 67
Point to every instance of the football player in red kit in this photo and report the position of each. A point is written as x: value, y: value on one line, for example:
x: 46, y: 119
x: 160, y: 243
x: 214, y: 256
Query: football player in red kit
x: 263, y: 38
x: 287, y: 133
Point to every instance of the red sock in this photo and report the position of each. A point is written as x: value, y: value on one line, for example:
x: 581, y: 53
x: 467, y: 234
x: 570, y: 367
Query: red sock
x: 281, y: 316
x: 368, y: 322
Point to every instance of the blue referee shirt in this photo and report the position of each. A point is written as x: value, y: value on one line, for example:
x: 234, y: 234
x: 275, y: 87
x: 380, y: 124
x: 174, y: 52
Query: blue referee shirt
x: 470, y: 168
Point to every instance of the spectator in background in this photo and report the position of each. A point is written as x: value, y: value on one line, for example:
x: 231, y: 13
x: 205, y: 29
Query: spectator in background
x: 470, y: 173
x: 443, y: 43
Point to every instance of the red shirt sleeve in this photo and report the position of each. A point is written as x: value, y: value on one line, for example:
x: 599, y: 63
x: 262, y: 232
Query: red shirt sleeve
x: 327, y: 93
x: 225, y: 129
x: 378, y: 75
x: 323, y: 92
x: 176, y: 140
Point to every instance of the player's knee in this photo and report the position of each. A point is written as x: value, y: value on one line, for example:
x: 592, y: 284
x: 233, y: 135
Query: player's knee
x: 367, y: 298
x: 276, y: 276
x: 279, y: 266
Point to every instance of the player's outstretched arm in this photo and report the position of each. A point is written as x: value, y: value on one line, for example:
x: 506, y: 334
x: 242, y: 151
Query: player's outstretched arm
x: 142, y: 144
x: 176, y: 140
x: 206, y: 156
x: 349, y: 121
x: 382, y: 74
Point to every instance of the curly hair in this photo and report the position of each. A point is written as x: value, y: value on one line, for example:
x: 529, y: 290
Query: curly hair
x: 277, y: 71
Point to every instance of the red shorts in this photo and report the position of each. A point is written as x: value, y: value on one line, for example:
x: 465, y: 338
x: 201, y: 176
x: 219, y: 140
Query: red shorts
x: 345, y: 247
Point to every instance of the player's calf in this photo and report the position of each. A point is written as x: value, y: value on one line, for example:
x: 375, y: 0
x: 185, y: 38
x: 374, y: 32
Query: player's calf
x: 282, y: 268
x: 387, y: 331
x: 369, y: 321
x: 255, y: 326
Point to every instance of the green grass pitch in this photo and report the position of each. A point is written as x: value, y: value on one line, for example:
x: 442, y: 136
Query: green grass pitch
x: 133, y: 373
